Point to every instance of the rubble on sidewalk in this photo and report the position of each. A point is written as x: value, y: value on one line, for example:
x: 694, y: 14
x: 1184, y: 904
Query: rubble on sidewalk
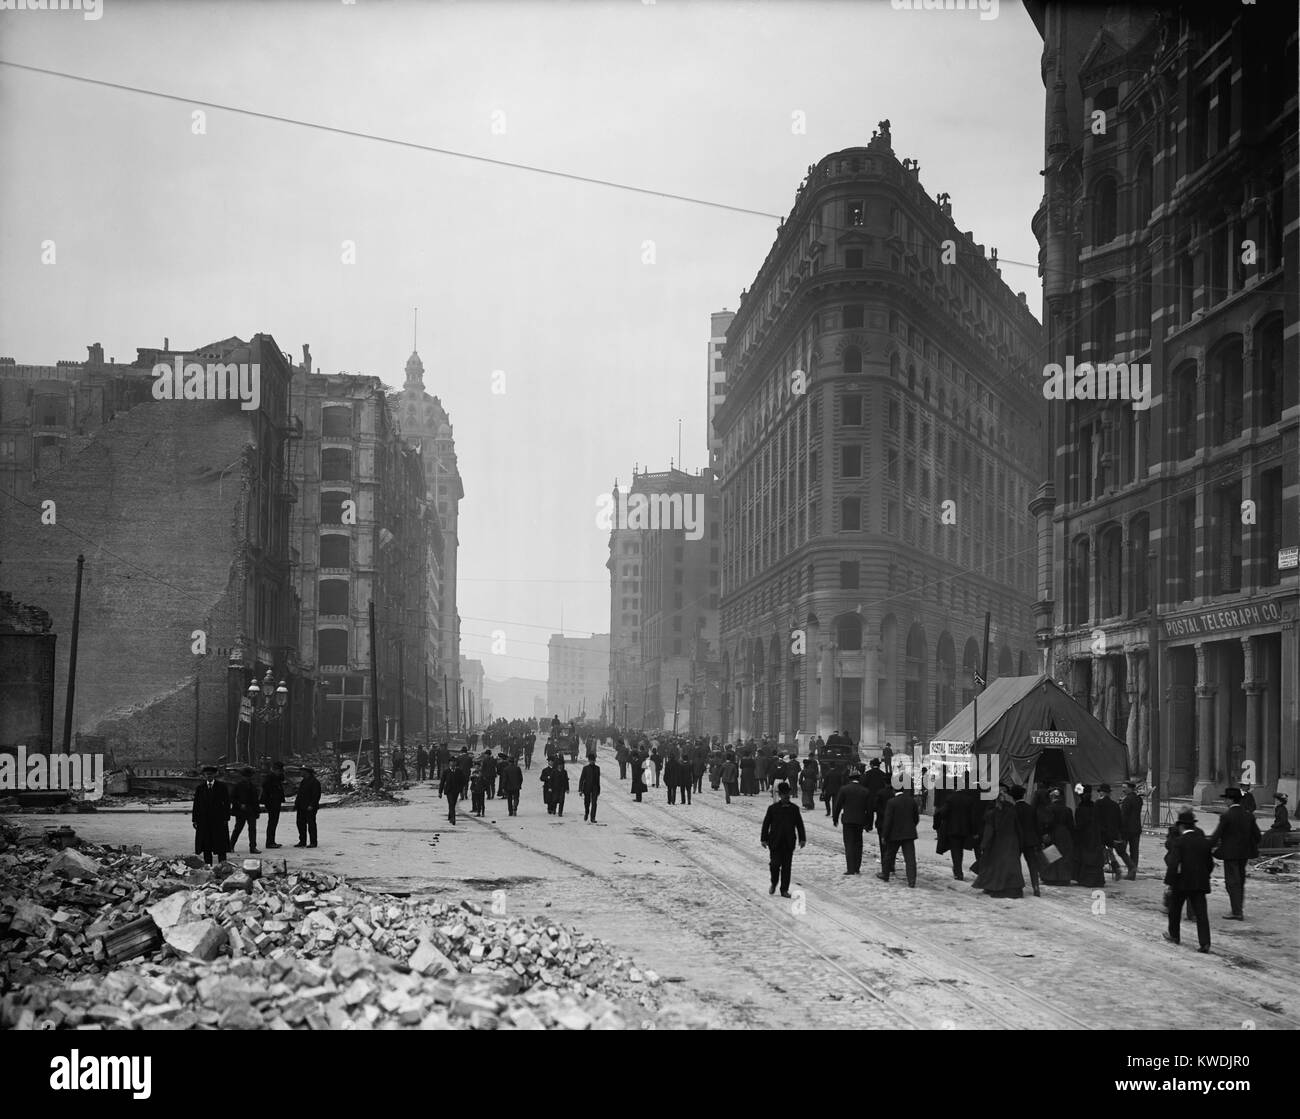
x: 262, y: 947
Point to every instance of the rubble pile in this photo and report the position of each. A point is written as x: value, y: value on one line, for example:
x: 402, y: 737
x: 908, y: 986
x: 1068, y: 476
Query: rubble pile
x: 364, y: 793
x: 254, y: 947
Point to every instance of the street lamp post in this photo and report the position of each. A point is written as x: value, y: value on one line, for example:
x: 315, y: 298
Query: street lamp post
x: 268, y: 702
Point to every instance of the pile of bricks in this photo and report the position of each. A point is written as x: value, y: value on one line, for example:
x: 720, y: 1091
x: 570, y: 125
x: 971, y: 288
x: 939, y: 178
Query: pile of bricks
x: 257, y: 947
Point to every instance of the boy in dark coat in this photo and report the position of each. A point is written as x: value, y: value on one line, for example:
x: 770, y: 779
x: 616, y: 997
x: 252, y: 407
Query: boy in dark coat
x: 305, y: 805
x: 244, y: 805
x: 1189, y: 862
x: 452, y: 782
x: 589, y: 787
x: 782, y: 823
x: 210, y: 813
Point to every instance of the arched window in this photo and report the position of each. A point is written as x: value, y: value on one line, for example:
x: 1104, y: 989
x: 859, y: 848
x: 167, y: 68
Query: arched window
x: 1104, y: 216
x: 1268, y: 370
x: 848, y: 632
x: 1110, y: 547
x: 1140, y: 538
x: 1225, y: 367
x: 852, y: 360
x: 1142, y: 197
x: 1183, y: 432
x: 1081, y: 563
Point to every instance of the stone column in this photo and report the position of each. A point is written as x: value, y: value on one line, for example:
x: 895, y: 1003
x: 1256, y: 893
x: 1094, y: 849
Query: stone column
x: 1204, y: 792
x: 809, y: 700
x: 1131, y: 731
x: 1253, y: 686
x: 826, y: 700
x: 870, y: 685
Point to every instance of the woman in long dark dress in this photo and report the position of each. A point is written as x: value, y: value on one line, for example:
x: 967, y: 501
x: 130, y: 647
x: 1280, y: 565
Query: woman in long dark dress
x: 1000, y: 874
x: 1089, y: 855
x: 1059, y: 833
x: 748, y: 780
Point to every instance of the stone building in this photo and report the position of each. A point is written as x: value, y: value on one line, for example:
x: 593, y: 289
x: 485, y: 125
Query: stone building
x: 424, y: 424
x: 365, y: 531
x: 878, y: 438
x: 181, y: 507
x: 626, y: 684
x: 1169, y: 242
x: 577, y: 678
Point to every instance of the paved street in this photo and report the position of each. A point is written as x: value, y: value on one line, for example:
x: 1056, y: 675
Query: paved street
x: 684, y: 890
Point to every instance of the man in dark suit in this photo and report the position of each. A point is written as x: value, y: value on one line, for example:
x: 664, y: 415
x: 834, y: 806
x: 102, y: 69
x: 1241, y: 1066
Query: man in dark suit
x: 781, y: 824
x: 305, y: 805
x: 209, y: 815
x: 1190, y: 862
x: 1235, y: 840
x: 453, y: 783
x: 670, y: 778
x: 421, y: 762
x: 1027, y: 824
x: 1130, y: 828
x: 873, y: 780
x: 512, y: 780
x: 589, y: 787
x: 1106, y: 813
x: 899, y: 830
x: 853, y: 802
x: 273, y: 800
x: 954, y: 820
x: 244, y: 806
x: 488, y: 767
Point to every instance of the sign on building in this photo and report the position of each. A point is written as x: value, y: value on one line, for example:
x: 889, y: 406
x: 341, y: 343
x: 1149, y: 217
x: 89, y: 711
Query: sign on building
x: 1054, y: 738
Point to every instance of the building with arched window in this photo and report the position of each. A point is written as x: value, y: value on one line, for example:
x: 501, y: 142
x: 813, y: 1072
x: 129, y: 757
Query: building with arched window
x: 1170, y: 242
x: 867, y: 524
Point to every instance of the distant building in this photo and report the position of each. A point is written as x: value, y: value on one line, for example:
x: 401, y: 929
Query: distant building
x: 1170, y: 240
x: 878, y: 436
x: 578, y: 675
x: 717, y: 376
x: 182, y: 510
x: 471, y: 682
x: 515, y: 697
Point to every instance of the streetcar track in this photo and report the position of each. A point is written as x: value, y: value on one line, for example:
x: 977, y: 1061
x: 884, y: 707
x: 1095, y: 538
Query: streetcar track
x: 960, y: 964
x: 623, y: 890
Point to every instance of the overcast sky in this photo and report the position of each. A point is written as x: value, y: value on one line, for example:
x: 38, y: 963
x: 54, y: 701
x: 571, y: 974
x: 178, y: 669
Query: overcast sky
x: 162, y: 232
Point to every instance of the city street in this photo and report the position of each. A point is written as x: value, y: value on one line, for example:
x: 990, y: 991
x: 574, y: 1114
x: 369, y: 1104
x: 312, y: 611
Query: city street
x: 683, y: 889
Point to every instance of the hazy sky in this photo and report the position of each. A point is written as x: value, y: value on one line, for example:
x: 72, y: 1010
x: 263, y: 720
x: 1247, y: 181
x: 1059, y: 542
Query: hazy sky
x: 162, y: 232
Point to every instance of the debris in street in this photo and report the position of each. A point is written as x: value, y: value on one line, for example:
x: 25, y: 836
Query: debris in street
x: 260, y: 947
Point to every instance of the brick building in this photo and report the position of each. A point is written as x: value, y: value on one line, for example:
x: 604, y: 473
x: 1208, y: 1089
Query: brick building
x: 181, y: 508
x: 1169, y: 238
x: 364, y: 531
x: 878, y: 437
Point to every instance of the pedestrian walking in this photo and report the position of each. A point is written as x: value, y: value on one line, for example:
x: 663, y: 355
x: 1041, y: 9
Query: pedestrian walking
x: 999, y: 875
x: 244, y: 806
x: 1190, y: 862
x: 305, y: 805
x: 748, y: 775
x: 621, y: 756
x: 1234, y: 841
x: 1109, y: 824
x: 898, y: 829
x: 670, y: 778
x: 589, y: 787
x: 873, y: 781
x: 1030, y: 844
x: 954, y: 825
x: 728, y: 775
x: 781, y: 825
x: 832, y: 780
x: 273, y: 800
x: 1058, y: 840
x: 657, y: 762
x: 399, y: 765
x: 640, y: 768
x: 209, y: 816
x: 444, y: 760
x: 477, y: 791
x: 883, y: 796
x: 421, y: 762
x: 1130, y: 828
x: 452, y: 781
x: 1088, y: 856
x: 512, y: 781
x: 529, y: 744
x: 853, y: 802
x: 808, y: 783
x: 489, y: 772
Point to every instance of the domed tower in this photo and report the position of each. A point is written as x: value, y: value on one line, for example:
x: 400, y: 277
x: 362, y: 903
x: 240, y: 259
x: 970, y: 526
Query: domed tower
x: 425, y: 424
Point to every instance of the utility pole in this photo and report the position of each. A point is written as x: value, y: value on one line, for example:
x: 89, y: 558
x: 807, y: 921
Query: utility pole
x: 980, y: 678
x: 401, y: 692
x: 72, y: 660
x: 1153, y: 684
x: 426, y: 700
x: 374, y: 702
x: 446, y: 708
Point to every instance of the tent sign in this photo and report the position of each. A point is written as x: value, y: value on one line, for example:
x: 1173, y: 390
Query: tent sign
x: 1054, y: 738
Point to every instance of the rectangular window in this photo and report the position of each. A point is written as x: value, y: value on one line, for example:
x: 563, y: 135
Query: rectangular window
x: 851, y: 514
x: 857, y: 213
x: 851, y: 461
x: 853, y: 258
x: 854, y: 316
x: 894, y: 415
x: 891, y: 464
x: 891, y: 518
x: 853, y: 411
x: 910, y: 432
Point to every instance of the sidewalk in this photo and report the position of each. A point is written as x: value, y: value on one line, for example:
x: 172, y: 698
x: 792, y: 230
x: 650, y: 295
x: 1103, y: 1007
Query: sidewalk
x: 184, y: 806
